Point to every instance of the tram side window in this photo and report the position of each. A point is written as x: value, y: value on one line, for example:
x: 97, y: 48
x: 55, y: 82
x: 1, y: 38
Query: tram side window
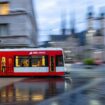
x: 22, y: 61
x: 38, y: 61
x: 31, y: 61
x: 59, y: 60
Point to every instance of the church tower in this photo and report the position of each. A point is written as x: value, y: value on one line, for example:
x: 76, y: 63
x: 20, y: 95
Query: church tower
x: 90, y: 29
x: 63, y: 24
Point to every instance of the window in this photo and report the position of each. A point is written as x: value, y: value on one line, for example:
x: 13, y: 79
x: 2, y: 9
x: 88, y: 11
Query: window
x: 4, y: 29
x: 39, y: 61
x: 4, y: 8
x: 22, y: 61
x: 59, y: 60
x: 31, y: 61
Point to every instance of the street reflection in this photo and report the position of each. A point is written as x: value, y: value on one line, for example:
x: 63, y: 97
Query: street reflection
x: 34, y: 90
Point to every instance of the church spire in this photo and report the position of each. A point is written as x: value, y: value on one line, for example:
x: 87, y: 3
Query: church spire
x: 72, y: 23
x: 90, y: 17
x: 63, y: 24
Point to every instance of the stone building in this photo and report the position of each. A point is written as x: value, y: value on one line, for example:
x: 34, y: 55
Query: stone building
x: 17, y: 24
x: 95, y: 37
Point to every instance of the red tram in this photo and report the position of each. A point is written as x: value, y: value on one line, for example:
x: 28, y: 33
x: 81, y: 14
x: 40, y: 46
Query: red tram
x: 31, y: 62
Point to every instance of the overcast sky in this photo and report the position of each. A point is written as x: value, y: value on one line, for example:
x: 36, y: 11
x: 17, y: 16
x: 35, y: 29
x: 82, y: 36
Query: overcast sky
x: 49, y: 13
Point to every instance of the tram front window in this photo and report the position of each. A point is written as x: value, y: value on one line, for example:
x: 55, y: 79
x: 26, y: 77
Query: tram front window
x: 59, y: 60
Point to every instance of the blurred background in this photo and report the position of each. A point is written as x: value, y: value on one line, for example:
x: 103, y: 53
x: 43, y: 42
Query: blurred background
x: 76, y: 26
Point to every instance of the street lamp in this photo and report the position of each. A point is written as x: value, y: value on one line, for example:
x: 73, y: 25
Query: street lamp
x: 20, y: 11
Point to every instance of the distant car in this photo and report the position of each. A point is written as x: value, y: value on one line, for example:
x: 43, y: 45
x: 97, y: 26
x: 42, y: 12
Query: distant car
x: 98, y: 62
x: 69, y: 60
x: 80, y: 63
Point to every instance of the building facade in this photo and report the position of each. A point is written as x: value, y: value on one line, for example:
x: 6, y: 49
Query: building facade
x: 17, y: 24
x: 95, y: 37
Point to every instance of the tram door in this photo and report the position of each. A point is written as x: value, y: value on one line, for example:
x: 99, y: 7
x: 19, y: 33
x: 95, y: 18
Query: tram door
x: 6, y: 65
x: 2, y: 64
x: 52, y: 64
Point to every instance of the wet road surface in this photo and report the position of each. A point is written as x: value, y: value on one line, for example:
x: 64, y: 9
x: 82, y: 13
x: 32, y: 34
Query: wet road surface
x: 88, y: 88
x: 91, y: 94
x: 34, y: 90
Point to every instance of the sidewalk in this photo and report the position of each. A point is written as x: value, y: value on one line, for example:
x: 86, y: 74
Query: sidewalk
x: 7, y: 81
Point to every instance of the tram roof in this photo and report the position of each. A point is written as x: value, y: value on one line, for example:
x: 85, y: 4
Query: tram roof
x: 28, y: 49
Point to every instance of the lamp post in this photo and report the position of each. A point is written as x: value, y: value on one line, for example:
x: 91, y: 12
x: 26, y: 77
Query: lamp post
x: 20, y: 11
